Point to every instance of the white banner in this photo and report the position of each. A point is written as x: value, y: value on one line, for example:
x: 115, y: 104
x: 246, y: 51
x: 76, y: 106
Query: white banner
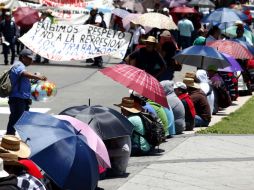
x: 75, y: 42
x: 73, y: 14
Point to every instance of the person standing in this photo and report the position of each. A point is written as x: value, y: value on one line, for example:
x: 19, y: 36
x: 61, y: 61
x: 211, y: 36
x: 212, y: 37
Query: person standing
x: 148, y: 58
x: 185, y: 28
x: 19, y: 99
x: 8, y: 37
x: 96, y: 20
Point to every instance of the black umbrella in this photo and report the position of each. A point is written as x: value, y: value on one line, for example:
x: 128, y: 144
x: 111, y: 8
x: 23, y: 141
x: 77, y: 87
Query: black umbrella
x: 106, y: 122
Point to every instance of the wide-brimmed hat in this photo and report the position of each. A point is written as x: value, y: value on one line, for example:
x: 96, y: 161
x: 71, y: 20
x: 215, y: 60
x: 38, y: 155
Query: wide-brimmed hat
x: 151, y: 39
x: 3, y: 173
x: 190, y: 75
x: 14, y: 145
x: 129, y: 105
x: 190, y: 83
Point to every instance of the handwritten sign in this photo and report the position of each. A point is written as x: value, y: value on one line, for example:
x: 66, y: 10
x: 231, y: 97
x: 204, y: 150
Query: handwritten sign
x: 75, y: 42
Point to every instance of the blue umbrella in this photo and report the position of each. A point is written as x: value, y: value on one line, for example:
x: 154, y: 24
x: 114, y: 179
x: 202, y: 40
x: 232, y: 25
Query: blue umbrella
x: 59, y: 150
x: 201, y: 56
x: 224, y: 15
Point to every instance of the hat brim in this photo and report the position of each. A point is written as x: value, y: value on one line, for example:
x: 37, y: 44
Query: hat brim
x: 150, y: 41
x: 194, y: 86
x: 132, y: 110
x: 23, y: 152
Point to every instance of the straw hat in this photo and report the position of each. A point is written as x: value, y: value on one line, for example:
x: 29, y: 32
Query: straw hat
x: 190, y: 75
x: 151, y: 39
x: 3, y: 173
x: 14, y: 145
x: 128, y: 104
x: 190, y: 83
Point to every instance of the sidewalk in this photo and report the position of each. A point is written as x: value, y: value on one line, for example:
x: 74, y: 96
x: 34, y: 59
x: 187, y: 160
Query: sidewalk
x: 194, y: 162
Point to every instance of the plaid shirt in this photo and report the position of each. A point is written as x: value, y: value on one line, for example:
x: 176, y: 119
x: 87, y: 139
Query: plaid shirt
x: 28, y: 182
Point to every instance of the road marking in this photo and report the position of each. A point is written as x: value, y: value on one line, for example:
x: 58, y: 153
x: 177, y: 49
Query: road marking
x: 6, y: 110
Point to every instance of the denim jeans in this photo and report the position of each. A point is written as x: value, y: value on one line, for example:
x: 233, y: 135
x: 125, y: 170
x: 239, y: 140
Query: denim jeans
x: 199, y: 122
x: 17, y: 107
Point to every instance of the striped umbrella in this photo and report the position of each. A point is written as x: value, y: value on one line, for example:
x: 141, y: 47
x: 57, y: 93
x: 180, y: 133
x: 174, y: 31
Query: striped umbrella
x: 156, y: 20
x: 137, y: 80
x: 232, y: 48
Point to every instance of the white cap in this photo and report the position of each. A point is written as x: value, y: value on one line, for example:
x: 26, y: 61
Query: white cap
x: 165, y: 9
x: 180, y: 85
x: 8, y: 13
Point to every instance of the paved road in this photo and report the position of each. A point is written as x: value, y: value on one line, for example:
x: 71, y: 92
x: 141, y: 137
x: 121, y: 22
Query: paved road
x: 77, y: 83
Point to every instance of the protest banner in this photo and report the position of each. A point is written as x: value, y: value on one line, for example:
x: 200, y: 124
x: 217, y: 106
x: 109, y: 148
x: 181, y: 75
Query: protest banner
x: 74, y: 14
x: 75, y: 42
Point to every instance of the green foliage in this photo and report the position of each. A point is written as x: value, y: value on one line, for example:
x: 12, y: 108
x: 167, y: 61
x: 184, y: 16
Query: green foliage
x: 239, y: 122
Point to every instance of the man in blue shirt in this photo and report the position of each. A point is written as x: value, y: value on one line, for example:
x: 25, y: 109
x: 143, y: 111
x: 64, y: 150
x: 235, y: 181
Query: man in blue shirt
x: 19, y: 99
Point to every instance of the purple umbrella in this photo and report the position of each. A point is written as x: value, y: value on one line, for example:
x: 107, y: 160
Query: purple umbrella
x: 235, y: 66
x: 173, y: 3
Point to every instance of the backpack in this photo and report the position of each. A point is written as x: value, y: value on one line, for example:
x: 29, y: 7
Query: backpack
x: 154, y: 132
x: 5, y: 84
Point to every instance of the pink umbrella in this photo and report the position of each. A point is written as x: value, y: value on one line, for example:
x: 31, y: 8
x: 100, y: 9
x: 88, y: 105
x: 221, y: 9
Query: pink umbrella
x: 93, y: 140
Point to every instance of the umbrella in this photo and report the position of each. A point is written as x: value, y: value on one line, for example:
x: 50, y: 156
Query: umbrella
x: 134, y: 5
x: 223, y: 15
x: 202, y: 3
x: 120, y: 12
x: 176, y: 3
x: 106, y: 122
x: 127, y: 19
x: 231, y: 32
x: 234, y: 65
x: 231, y: 48
x: 26, y: 16
x: 59, y: 150
x: 93, y: 140
x: 182, y: 10
x: 156, y: 20
x: 137, y: 80
x: 201, y: 56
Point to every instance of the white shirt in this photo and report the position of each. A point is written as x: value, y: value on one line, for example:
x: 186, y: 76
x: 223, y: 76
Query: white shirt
x: 98, y: 19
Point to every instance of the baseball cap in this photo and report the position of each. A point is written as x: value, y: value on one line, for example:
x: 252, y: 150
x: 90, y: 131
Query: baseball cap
x: 8, y: 13
x: 180, y: 85
x: 27, y: 53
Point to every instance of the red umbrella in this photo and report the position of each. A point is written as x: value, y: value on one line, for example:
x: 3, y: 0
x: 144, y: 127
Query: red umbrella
x: 232, y: 48
x: 183, y: 10
x: 25, y: 16
x: 138, y: 80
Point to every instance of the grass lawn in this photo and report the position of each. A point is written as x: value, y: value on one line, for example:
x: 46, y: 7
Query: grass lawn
x: 239, y: 122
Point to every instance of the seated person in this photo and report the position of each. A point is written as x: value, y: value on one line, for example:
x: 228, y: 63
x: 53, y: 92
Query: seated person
x: 176, y: 105
x: 199, y: 99
x: 119, y: 150
x: 139, y: 145
x: 190, y: 112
